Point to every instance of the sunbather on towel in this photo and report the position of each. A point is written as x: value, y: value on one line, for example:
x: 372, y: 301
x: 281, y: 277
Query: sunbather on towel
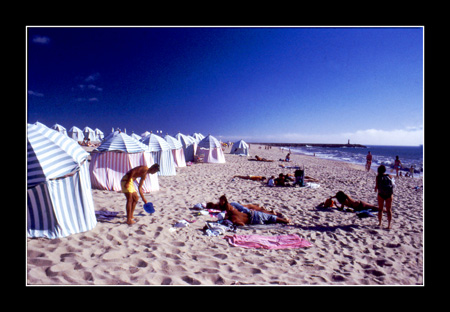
x: 251, y: 177
x: 221, y: 205
x: 262, y: 159
x: 356, y: 205
x: 127, y: 184
x: 249, y: 216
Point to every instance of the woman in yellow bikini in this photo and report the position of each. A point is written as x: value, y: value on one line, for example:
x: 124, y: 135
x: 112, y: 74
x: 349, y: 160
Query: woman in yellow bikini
x: 127, y: 184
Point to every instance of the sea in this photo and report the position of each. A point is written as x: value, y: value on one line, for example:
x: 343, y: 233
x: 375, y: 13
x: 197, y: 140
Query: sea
x: 408, y: 155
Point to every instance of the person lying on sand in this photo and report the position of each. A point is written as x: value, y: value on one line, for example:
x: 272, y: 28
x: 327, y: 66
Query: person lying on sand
x: 257, y: 158
x: 356, y: 205
x: 221, y: 205
x: 128, y: 189
x: 248, y: 216
x: 251, y: 177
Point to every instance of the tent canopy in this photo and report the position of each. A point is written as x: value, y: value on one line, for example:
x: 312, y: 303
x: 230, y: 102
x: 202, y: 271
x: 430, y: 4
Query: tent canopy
x: 51, y: 154
x: 59, y: 198
x: 156, y: 143
x: 209, y: 142
x: 119, y: 141
x: 240, y: 148
x: 174, y: 143
x: 76, y: 134
x: 59, y: 128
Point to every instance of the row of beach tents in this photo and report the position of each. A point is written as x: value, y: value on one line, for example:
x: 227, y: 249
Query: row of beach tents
x: 60, y: 175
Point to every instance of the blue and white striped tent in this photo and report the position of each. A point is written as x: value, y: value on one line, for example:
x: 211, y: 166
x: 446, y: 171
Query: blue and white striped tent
x: 162, y: 154
x: 59, y: 198
x: 240, y: 148
x: 59, y: 128
x: 89, y: 134
x: 177, y: 151
x: 189, y: 146
x: 119, y: 141
x: 209, y: 142
x: 99, y: 134
x: 76, y: 134
x: 198, y: 137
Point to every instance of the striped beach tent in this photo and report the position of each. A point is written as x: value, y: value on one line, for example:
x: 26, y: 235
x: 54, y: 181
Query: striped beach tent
x: 99, y: 134
x: 136, y: 136
x: 189, y: 146
x: 198, y: 137
x: 120, y: 141
x: 211, y: 149
x: 162, y: 154
x: 118, y: 154
x: 240, y: 148
x: 59, y: 197
x: 59, y: 128
x: 177, y: 151
x: 76, y: 134
x: 89, y: 134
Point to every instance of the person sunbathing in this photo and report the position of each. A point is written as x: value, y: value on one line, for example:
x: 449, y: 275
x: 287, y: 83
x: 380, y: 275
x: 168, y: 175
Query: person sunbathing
x: 248, y: 216
x: 257, y: 158
x: 221, y: 205
x: 251, y: 177
x: 356, y: 205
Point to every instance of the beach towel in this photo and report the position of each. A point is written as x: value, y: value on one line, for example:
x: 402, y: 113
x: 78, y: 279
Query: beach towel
x: 105, y: 215
x: 268, y: 242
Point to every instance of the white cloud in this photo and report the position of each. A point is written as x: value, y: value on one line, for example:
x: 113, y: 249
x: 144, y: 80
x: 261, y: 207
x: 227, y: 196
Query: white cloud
x: 41, y: 39
x: 92, y: 77
x: 33, y: 93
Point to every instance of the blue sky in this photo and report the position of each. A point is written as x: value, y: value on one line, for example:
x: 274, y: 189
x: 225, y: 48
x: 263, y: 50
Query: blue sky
x: 262, y: 84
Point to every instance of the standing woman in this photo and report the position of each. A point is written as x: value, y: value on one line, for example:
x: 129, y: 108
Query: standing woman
x: 397, y: 164
x: 385, y: 187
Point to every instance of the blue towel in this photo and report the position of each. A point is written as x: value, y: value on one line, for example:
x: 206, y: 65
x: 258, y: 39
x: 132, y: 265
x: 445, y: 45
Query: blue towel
x: 105, y: 215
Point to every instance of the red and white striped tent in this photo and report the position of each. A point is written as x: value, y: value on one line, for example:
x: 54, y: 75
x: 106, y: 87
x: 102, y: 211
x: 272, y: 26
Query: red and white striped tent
x: 114, y: 158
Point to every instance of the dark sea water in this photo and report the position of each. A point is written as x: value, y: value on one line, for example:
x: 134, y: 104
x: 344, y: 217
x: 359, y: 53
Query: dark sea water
x: 408, y: 155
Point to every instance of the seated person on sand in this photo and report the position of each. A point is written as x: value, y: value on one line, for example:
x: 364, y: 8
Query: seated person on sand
x: 356, y: 205
x: 301, y: 179
x: 251, y: 177
x: 248, y: 216
x: 261, y: 159
x: 287, y: 159
x: 281, y: 180
x: 271, y: 181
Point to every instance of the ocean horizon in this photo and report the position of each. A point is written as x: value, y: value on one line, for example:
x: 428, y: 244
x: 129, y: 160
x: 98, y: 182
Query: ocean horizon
x: 381, y: 154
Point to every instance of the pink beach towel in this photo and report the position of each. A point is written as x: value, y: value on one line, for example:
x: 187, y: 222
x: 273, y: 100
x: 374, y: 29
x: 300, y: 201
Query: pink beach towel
x: 268, y: 242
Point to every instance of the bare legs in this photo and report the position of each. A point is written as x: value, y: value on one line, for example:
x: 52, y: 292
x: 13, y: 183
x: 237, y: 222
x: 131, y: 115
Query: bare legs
x: 132, y: 199
x: 381, y: 202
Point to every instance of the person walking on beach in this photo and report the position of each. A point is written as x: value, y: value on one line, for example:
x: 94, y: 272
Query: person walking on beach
x: 385, y: 187
x: 397, y: 164
x: 368, y: 161
x: 127, y: 184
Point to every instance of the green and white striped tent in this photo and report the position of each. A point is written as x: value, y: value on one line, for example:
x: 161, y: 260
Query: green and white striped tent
x: 59, y: 197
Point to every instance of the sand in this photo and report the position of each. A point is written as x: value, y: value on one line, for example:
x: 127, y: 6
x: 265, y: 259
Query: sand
x: 345, y: 251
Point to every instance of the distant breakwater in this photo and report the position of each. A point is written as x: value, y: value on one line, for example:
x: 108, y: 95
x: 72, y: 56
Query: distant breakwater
x: 312, y: 145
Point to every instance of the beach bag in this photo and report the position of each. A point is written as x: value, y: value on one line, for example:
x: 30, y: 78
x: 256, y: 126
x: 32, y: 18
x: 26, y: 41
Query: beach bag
x: 385, y: 185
